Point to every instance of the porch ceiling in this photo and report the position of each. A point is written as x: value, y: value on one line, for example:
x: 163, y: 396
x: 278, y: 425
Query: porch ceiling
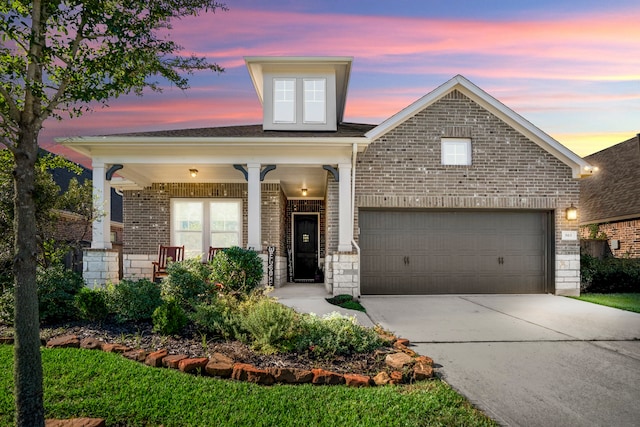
x: 292, y: 178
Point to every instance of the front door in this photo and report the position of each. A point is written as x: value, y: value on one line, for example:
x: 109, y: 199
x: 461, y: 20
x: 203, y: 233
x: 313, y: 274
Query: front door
x: 305, y: 249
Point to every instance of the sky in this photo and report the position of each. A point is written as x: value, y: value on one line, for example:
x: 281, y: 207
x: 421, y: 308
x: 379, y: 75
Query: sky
x: 570, y: 67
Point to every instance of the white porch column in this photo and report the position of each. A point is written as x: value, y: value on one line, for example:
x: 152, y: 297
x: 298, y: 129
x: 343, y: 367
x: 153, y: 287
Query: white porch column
x: 101, y: 236
x: 254, y: 203
x: 345, y: 221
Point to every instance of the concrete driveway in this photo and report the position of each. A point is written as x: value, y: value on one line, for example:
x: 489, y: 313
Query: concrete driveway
x: 526, y: 360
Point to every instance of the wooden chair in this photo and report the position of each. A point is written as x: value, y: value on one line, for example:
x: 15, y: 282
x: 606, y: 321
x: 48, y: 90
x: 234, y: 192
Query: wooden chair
x: 212, y: 252
x: 166, y: 254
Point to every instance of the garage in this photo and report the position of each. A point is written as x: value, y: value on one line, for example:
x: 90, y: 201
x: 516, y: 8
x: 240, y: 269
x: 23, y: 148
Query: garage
x: 454, y: 252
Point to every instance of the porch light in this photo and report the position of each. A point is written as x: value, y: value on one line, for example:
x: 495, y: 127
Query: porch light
x: 304, y: 192
x: 571, y: 213
x: 193, y: 172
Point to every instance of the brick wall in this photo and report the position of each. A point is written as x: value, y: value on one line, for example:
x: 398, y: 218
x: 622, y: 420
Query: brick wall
x: 403, y: 170
x: 626, y: 232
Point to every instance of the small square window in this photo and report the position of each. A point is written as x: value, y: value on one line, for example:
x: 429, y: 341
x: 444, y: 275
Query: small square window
x: 456, y: 151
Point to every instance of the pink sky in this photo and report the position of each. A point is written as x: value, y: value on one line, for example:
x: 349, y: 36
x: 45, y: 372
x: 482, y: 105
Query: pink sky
x: 575, y: 75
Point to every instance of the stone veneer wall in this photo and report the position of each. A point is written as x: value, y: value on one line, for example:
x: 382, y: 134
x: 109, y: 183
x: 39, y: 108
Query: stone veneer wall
x: 403, y: 170
x: 148, y: 223
x: 627, y: 232
x: 100, y: 266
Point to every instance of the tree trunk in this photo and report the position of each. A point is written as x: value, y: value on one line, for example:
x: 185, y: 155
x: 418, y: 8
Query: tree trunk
x: 27, y: 359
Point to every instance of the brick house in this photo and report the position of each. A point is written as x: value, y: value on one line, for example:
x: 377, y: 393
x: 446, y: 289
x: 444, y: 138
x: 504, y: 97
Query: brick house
x: 610, y: 199
x: 456, y: 193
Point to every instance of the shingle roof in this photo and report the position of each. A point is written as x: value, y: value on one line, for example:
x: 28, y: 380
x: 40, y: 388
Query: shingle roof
x: 614, y: 191
x: 345, y: 130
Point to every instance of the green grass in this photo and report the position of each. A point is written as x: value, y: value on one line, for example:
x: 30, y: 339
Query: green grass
x: 84, y: 383
x: 628, y: 301
x: 346, y: 301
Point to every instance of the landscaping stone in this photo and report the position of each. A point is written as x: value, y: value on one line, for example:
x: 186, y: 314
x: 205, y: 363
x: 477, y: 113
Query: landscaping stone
x: 155, y: 358
x: 382, y: 378
x: 219, y: 369
x: 422, y: 372
x: 398, y: 360
x: 322, y: 377
x: 193, y: 365
x: 249, y: 373
x: 402, y: 341
x: 425, y: 360
x: 138, y: 355
x: 64, y: 341
x: 91, y: 344
x: 172, y: 361
x: 115, y: 348
x: 407, y: 351
x: 7, y: 340
x: 395, y: 377
x: 355, y: 380
x: 76, y: 422
x: 291, y: 375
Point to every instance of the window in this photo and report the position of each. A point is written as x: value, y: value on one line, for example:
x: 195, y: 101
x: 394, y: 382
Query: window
x: 200, y: 223
x: 284, y: 100
x: 314, y: 101
x: 456, y: 151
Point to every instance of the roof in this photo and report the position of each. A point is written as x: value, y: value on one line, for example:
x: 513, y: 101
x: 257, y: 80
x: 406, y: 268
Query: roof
x: 579, y: 166
x: 613, y: 194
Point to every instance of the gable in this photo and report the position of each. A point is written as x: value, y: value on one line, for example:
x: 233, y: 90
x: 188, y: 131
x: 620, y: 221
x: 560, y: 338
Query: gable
x: 464, y: 87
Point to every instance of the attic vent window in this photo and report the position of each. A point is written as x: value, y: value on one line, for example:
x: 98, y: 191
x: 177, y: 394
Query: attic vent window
x: 284, y: 100
x: 315, y: 101
x: 456, y: 151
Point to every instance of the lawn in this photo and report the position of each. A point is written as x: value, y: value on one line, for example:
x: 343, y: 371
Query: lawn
x: 97, y: 384
x: 623, y: 301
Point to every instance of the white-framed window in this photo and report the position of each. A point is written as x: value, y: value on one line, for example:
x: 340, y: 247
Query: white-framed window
x: 315, y: 106
x: 456, y: 151
x: 284, y: 100
x: 200, y: 223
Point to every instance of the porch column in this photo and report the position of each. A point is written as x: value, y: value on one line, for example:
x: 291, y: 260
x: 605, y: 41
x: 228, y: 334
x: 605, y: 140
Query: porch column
x: 345, y: 221
x: 101, y: 228
x: 254, y: 202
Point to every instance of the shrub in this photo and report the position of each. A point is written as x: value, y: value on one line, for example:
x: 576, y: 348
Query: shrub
x: 92, y: 304
x: 133, y: 300
x: 609, y: 275
x: 169, y: 318
x: 7, y: 306
x: 346, y: 301
x: 237, y: 270
x: 335, y: 334
x: 187, y: 283
x: 57, y: 288
x: 271, y: 326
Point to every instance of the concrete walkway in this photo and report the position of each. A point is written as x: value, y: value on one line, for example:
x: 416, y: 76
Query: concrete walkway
x: 527, y: 360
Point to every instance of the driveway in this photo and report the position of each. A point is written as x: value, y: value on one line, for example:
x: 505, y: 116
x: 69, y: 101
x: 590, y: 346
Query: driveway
x: 526, y: 360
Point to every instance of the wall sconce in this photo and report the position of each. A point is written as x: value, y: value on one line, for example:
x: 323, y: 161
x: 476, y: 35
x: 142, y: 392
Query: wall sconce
x: 193, y: 172
x: 571, y: 213
x: 304, y: 192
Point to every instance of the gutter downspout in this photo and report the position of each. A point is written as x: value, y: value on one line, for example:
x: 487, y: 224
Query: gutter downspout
x: 354, y: 155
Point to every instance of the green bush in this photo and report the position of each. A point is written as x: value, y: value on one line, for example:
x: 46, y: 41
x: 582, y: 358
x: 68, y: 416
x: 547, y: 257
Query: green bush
x: 237, y: 270
x: 187, y: 282
x: 169, y: 318
x: 7, y: 301
x: 57, y: 288
x: 609, y: 275
x: 335, y: 334
x: 92, y: 304
x: 222, y: 317
x: 271, y: 326
x: 133, y: 300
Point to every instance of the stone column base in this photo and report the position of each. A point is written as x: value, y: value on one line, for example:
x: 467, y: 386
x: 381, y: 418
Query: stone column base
x: 100, y: 266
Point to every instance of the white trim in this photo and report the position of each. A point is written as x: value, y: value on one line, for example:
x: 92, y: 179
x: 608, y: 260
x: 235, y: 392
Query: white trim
x: 490, y: 103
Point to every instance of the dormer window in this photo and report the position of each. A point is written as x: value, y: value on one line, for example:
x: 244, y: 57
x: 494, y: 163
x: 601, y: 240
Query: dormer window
x: 284, y: 100
x: 315, y: 105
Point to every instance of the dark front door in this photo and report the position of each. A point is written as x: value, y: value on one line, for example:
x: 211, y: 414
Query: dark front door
x: 305, y: 250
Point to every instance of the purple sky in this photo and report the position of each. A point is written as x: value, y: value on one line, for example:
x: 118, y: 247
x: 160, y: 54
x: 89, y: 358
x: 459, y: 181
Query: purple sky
x: 572, y: 68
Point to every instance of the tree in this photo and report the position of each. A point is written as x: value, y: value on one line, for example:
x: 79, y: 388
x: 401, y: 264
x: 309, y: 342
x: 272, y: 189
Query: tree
x: 62, y: 58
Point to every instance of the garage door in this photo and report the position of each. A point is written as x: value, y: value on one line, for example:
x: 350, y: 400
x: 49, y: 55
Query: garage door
x: 418, y: 252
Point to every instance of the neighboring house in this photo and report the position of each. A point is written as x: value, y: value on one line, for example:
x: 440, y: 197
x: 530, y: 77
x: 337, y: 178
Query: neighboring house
x: 456, y: 193
x: 611, y: 198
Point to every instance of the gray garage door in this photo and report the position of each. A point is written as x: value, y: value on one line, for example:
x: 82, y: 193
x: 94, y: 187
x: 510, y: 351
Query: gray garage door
x: 418, y: 252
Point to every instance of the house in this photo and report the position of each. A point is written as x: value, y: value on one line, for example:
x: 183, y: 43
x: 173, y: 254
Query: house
x: 610, y: 200
x: 456, y: 193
